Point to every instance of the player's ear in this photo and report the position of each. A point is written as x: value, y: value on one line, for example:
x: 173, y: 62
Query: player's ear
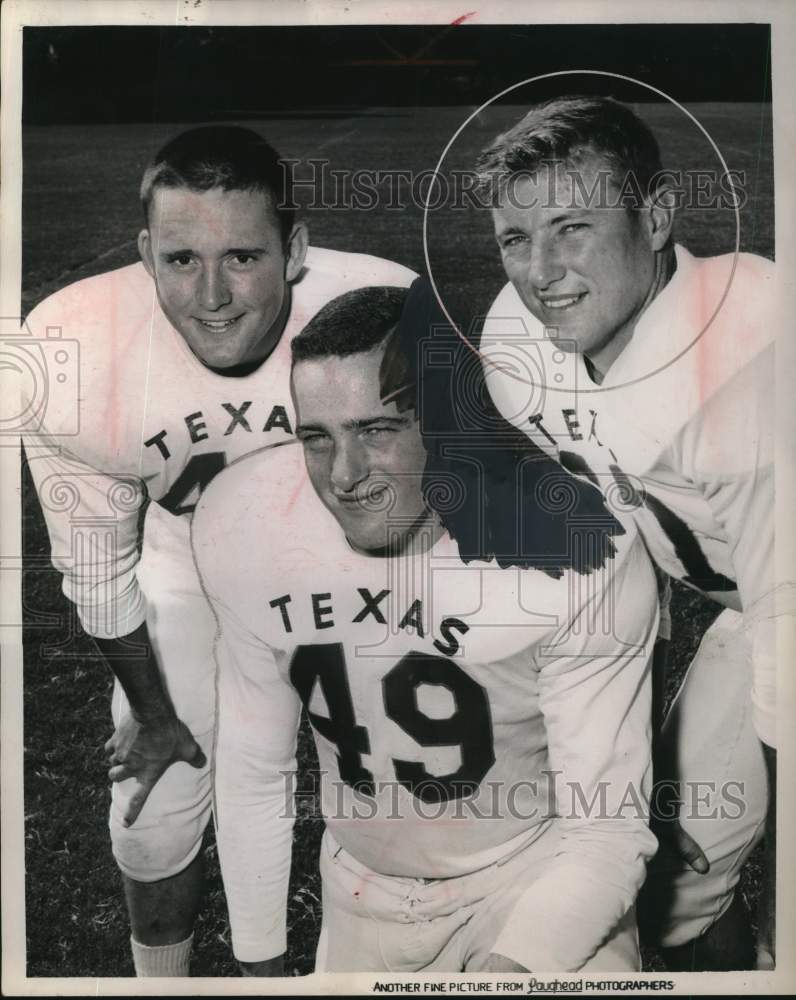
x: 660, y: 216
x: 296, y: 251
x: 145, y: 250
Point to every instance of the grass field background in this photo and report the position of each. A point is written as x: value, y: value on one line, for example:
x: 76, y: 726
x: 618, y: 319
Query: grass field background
x: 80, y: 217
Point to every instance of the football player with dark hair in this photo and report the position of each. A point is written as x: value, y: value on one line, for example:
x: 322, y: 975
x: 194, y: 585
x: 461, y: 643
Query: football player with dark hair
x: 226, y: 157
x: 666, y: 392
x: 481, y: 715
x: 184, y: 367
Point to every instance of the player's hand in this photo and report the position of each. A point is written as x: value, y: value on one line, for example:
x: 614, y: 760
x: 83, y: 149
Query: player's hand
x: 269, y: 967
x: 144, y: 749
x: 499, y: 963
x: 683, y: 844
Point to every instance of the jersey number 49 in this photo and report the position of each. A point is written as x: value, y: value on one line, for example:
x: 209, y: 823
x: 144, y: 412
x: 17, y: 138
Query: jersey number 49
x: 469, y: 726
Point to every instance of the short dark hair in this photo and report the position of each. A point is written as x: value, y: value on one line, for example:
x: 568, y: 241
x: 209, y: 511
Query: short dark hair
x: 562, y: 130
x: 498, y: 515
x: 354, y: 323
x: 222, y: 156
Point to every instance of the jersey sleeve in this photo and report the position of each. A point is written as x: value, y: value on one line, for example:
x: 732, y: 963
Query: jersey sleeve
x: 255, y: 764
x: 91, y: 514
x: 92, y: 523
x: 596, y: 699
x: 379, y: 271
x: 727, y: 448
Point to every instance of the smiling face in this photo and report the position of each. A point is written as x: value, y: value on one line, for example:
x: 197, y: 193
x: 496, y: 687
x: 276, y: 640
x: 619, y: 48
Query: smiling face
x: 221, y: 270
x: 579, y: 266
x: 364, y: 459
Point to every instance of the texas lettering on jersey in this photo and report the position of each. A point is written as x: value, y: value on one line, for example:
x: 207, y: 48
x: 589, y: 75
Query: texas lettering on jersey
x: 197, y: 467
x: 197, y: 427
x: 323, y: 616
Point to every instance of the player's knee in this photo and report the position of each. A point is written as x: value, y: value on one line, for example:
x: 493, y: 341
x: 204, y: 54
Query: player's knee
x: 168, y: 833
x: 148, y: 852
x: 727, y: 945
x: 678, y: 905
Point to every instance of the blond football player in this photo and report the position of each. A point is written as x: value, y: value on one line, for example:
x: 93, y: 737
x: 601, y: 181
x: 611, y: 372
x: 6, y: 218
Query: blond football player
x: 657, y: 370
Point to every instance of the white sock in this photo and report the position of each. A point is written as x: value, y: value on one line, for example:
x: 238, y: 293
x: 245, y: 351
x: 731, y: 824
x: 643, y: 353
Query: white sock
x: 162, y: 960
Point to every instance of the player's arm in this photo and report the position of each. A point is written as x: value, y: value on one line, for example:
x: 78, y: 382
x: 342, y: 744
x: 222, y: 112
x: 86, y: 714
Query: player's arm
x: 150, y: 738
x: 727, y: 449
x: 255, y: 761
x: 729, y: 452
x: 258, y: 715
x: 747, y: 509
x: 92, y: 523
x: 594, y: 691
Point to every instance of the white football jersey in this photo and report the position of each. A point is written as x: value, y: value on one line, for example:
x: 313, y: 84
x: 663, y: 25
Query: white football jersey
x: 145, y: 417
x: 681, y: 430
x: 456, y: 708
